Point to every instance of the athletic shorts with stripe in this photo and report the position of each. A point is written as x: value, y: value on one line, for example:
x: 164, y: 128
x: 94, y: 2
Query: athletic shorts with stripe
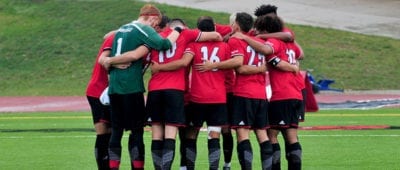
x: 100, y: 112
x: 249, y: 113
x: 212, y: 114
x: 166, y: 107
x: 284, y: 114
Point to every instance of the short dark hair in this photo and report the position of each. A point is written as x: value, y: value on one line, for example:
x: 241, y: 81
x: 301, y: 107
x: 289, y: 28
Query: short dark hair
x: 244, y: 20
x: 269, y: 23
x: 265, y: 9
x: 206, y: 24
x: 164, y: 21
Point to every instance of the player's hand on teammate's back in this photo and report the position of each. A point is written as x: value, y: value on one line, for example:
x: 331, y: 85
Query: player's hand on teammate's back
x: 205, y: 66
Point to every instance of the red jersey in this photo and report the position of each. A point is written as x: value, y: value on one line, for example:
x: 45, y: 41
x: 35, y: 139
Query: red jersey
x: 209, y: 86
x: 223, y: 29
x: 251, y: 85
x: 294, y: 51
x: 172, y: 79
x: 229, y: 80
x: 284, y: 84
x: 99, y: 80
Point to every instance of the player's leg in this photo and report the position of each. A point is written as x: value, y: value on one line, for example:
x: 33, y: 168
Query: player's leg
x: 101, y: 120
x: 260, y: 125
x: 242, y: 122
x: 117, y: 130
x: 276, y: 149
x: 136, y: 148
x: 244, y: 149
x: 293, y: 147
x: 182, y: 147
x: 227, y: 137
x: 134, y: 121
x: 227, y: 146
x: 173, y: 119
x: 191, y: 146
x: 154, y: 110
x: 216, y: 116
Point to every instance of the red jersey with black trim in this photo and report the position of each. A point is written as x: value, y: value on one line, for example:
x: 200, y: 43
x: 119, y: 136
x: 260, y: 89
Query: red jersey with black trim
x: 172, y: 79
x: 294, y: 51
x: 251, y: 85
x: 99, y: 79
x: 209, y: 86
x: 284, y: 84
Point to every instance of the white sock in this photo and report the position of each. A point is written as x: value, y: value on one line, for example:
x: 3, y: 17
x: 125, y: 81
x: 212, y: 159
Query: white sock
x: 182, y: 168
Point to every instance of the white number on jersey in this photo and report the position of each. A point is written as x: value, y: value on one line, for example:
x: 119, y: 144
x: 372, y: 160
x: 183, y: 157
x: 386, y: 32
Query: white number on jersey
x: 291, y: 56
x: 162, y: 55
x: 213, y: 58
x: 253, y: 55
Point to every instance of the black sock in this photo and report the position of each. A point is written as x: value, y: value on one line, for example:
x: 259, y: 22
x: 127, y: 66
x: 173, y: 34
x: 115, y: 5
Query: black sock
x: 136, y: 149
x: 214, y: 153
x: 156, y: 153
x: 168, y: 153
x: 191, y: 153
x: 276, y: 156
x: 294, y: 156
x: 245, y: 154
x: 114, y: 148
x: 227, y: 145
x: 182, y: 147
x: 266, y: 155
x: 101, y: 151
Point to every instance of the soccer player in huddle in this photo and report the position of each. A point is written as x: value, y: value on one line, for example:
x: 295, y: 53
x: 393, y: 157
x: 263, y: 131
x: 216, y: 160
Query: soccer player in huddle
x: 249, y: 96
x: 285, y: 102
x: 207, y: 96
x: 100, y: 112
x: 295, y: 51
x: 165, y: 104
x: 126, y: 85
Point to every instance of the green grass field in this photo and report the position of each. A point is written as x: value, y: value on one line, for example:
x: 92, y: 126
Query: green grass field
x: 65, y: 141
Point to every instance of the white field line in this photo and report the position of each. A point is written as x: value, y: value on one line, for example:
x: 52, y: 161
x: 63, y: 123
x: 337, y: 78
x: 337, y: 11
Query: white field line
x: 126, y: 136
x: 308, y: 114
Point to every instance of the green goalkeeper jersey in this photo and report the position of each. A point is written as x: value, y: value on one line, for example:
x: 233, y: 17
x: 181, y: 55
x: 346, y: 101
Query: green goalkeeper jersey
x: 127, y: 38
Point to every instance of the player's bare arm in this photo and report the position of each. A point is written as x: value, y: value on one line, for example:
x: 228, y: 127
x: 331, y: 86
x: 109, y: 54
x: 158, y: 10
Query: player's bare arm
x: 284, y: 65
x: 210, y: 36
x: 125, y: 58
x: 247, y: 69
x: 259, y: 47
x: 232, y: 63
x: 284, y: 36
x: 171, y: 66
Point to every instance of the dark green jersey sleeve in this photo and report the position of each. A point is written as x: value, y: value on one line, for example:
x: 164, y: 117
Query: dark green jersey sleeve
x: 152, y: 39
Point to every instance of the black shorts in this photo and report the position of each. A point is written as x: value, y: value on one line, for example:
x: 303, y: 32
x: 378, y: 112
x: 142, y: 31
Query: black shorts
x: 127, y: 111
x: 212, y: 114
x: 165, y: 107
x: 302, y: 114
x: 284, y: 114
x: 249, y: 113
x: 100, y: 112
x: 229, y: 106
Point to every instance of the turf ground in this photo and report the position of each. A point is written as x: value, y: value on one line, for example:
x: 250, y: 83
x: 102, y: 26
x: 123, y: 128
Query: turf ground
x: 64, y: 140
